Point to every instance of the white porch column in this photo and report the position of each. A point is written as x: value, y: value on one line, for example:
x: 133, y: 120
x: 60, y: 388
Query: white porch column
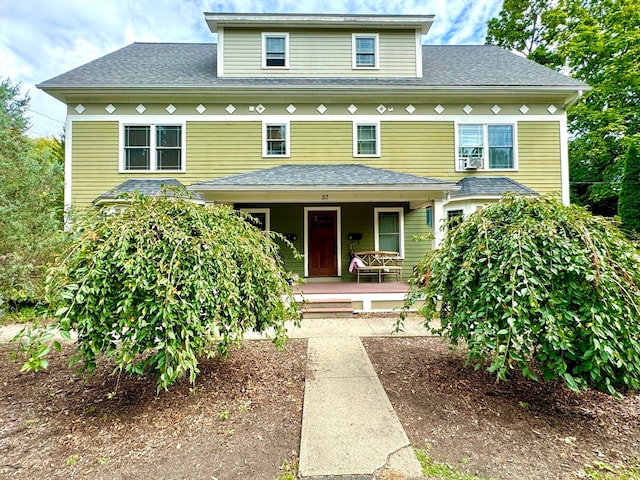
x: 438, y: 219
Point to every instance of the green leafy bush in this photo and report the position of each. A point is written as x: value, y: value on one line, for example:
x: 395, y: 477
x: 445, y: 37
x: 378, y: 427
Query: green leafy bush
x: 542, y: 288
x: 629, y: 203
x: 31, y: 203
x: 165, y: 282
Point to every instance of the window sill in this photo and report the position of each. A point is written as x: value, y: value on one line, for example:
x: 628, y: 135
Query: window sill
x: 151, y: 171
x: 485, y: 170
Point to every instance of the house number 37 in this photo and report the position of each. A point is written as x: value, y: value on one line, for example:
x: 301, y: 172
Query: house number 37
x: 324, y: 197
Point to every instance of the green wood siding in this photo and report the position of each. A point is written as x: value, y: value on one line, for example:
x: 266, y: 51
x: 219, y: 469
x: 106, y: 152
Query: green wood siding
x: 321, y: 142
x: 318, y: 53
x: 414, y: 250
x: 539, y: 156
x: 218, y: 149
x: 95, y: 160
x: 215, y: 149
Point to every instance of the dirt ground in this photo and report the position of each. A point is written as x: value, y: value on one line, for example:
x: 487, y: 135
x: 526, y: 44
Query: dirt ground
x: 242, y: 419
x: 510, y: 430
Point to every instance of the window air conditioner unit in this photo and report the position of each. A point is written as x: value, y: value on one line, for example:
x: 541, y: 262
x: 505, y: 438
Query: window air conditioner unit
x: 471, y: 163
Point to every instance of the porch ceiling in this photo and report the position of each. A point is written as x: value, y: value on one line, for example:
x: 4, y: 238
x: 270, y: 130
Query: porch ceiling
x: 323, y: 183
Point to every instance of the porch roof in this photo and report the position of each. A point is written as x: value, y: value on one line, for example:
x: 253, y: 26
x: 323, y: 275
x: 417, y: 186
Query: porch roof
x: 338, y: 182
x: 489, y: 186
x: 168, y: 187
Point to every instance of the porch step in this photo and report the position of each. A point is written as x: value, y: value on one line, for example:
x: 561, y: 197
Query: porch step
x: 327, y: 308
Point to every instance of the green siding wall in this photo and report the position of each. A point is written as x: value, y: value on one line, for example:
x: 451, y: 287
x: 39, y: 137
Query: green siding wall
x: 539, y: 156
x: 95, y: 160
x: 318, y: 53
x: 215, y: 149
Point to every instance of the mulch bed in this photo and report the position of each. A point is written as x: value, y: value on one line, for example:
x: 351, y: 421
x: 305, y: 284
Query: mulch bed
x: 241, y: 419
x: 509, y: 430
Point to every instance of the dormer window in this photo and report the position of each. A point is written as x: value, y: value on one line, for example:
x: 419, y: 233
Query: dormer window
x: 365, y: 51
x: 275, y: 50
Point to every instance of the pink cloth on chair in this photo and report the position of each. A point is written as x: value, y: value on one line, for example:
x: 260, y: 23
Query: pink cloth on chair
x: 356, y: 262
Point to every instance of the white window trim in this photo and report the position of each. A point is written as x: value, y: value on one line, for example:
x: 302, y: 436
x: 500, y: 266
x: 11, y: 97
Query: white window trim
x: 354, y: 63
x: 485, y: 146
x: 286, y: 124
x: 355, y: 139
x: 376, y: 230
x: 152, y: 140
x: 286, y: 49
x: 267, y: 215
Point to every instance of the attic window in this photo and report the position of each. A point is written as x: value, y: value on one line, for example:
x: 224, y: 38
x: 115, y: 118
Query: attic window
x: 275, y: 50
x: 365, y: 51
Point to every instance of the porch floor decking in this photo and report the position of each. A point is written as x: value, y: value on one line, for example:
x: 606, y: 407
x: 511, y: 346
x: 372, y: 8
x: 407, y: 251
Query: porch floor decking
x: 350, y: 288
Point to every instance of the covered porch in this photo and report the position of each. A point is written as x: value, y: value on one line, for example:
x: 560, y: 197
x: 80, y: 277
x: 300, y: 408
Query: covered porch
x: 329, y: 212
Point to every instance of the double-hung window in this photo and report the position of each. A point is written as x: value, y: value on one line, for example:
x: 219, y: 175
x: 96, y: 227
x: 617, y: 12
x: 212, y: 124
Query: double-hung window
x: 389, y: 229
x: 275, y: 50
x: 262, y: 217
x: 275, y: 140
x: 366, y: 140
x: 486, y: 147
x: 152, y: 148
x: 365, y: 51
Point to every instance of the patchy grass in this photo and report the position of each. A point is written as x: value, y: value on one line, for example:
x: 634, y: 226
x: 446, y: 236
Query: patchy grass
x: 441, y: 471
x: 288, y: 470
x: 606, y: 471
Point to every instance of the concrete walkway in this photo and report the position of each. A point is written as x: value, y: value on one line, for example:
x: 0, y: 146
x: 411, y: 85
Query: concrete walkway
x: 349, y: 428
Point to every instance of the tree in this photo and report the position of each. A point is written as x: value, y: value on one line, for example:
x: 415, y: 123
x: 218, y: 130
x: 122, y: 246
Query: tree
x: 527, y: 27
x: 629, y: 204
x: 545, y: 289
x: 597, y: 42
x: 163, y: 283
x: 31, y: 202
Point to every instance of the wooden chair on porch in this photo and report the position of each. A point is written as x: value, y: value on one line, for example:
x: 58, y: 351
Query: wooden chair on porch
x: 376, y: 263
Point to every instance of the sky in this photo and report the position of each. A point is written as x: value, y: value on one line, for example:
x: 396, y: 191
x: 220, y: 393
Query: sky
x: 40, y: 39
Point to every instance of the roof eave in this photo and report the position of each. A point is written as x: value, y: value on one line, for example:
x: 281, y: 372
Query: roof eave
x: 66, y: 94
x: 437, y: 187
x: 216, y: 20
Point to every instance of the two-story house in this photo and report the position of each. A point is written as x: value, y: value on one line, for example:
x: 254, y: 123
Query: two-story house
x: 332, y: 129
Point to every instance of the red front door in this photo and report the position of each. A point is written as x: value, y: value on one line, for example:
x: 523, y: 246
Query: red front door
x: 323, y: 243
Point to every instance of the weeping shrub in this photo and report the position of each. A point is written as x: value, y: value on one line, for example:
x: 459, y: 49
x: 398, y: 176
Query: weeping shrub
x: 163, y: 283
x: 545, y: 289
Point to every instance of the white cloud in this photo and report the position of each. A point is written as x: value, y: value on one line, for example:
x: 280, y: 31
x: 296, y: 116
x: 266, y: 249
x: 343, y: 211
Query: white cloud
x: 40, y: 39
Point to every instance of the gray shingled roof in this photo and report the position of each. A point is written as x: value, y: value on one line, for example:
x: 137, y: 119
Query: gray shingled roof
x: 483, y: 186
x: 184, y: 65
x: 341, y: 176
x: 147, y: 186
